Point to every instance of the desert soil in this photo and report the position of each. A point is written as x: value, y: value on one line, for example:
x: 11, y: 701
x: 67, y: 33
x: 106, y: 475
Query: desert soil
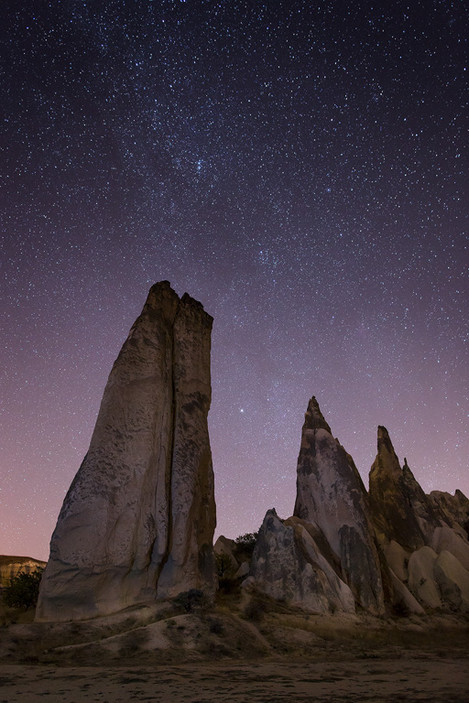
x: 410, y: 679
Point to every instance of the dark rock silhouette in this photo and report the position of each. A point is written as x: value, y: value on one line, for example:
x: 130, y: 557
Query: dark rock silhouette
x: 422, y: 537
x: 138, y: 520
x: 454, y: 510
x: 400, y: 509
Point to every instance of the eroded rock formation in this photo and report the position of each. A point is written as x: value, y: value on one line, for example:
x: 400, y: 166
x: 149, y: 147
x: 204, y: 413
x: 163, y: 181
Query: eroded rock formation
x: 330, y: 537
x: 138, y: 520
x: 288, y: 565
x: 394, y: 548
x: 332, y: 497
x: 400, y: 509
x: 422, y: 537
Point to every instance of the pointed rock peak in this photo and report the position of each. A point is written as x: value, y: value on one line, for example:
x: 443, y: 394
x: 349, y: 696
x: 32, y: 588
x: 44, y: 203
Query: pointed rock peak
x: 271, y: 513
x: 408, y: 475
x: 314, y: 419
x: 386, y: 454
x: 384, y: 441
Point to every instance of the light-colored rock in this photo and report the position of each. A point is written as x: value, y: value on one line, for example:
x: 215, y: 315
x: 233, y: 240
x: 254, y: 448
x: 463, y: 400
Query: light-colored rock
x: 397, y: 559
x: 422, y: 582
x: 448, y: 539
x: 138, y: 519
x: 331, y: 496
x: 225, y: 547
x: 403, y: 598
x: 453, y: 581
x: 288, y: 566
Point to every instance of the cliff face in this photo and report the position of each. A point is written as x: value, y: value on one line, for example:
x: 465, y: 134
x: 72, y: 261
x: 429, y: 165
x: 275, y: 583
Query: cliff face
x: 138, y: 520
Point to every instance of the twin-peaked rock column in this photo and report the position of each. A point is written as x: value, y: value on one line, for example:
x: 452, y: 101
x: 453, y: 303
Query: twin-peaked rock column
x: 138, y: 520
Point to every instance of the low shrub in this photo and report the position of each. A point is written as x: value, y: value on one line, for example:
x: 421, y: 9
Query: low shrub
x: 191, y: 600
x: 23, y: 590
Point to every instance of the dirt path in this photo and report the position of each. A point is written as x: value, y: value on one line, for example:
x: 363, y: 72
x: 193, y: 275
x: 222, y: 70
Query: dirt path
x: 408, y: 680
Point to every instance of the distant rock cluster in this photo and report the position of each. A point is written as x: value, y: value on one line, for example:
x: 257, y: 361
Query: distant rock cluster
x: 11, y: 566
x: 393, y: 549
x: 138, y: 520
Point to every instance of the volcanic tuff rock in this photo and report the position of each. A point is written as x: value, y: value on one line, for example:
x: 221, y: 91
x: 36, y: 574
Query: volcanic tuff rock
x: 324, y: 557
x: 288, y: 565
x: 332, y: 497
x: 138, y: 520
x: 454, y: 510
x: 400, y: 509
x: 395, y: 547
x: 232, y: 560
x: 422, y: 537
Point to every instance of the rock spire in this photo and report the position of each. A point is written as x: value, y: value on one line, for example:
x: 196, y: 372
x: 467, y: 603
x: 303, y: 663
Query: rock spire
x: 138, y: 520
x: 332, y: 497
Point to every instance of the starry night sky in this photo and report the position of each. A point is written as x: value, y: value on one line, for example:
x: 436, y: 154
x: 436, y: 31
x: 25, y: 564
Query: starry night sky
x: 299, y: 168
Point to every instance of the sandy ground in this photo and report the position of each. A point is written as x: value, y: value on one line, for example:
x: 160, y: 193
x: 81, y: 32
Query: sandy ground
x: 424, y: 678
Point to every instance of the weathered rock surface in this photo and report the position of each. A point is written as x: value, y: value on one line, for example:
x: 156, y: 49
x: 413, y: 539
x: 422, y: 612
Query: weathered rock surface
x: 447, y: 539
x: 453, y: 581
x: 422, y: 537
x: 331, y: 496
x: 421, y: 577
x: 454, y: 510
x: 400, y: 509
x: 402, y: 599
x: 395, y: 548
x: 137, y: 522
x: 232, y: 559
x: 287, y: 565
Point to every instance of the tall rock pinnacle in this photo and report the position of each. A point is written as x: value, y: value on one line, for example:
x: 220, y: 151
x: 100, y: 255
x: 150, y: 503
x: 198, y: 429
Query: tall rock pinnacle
x: 331, y: 496
x: 400, y: 509
x: 138, y: 520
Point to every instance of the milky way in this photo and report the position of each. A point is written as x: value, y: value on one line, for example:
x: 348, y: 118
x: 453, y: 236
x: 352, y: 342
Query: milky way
x: 299, y: 168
